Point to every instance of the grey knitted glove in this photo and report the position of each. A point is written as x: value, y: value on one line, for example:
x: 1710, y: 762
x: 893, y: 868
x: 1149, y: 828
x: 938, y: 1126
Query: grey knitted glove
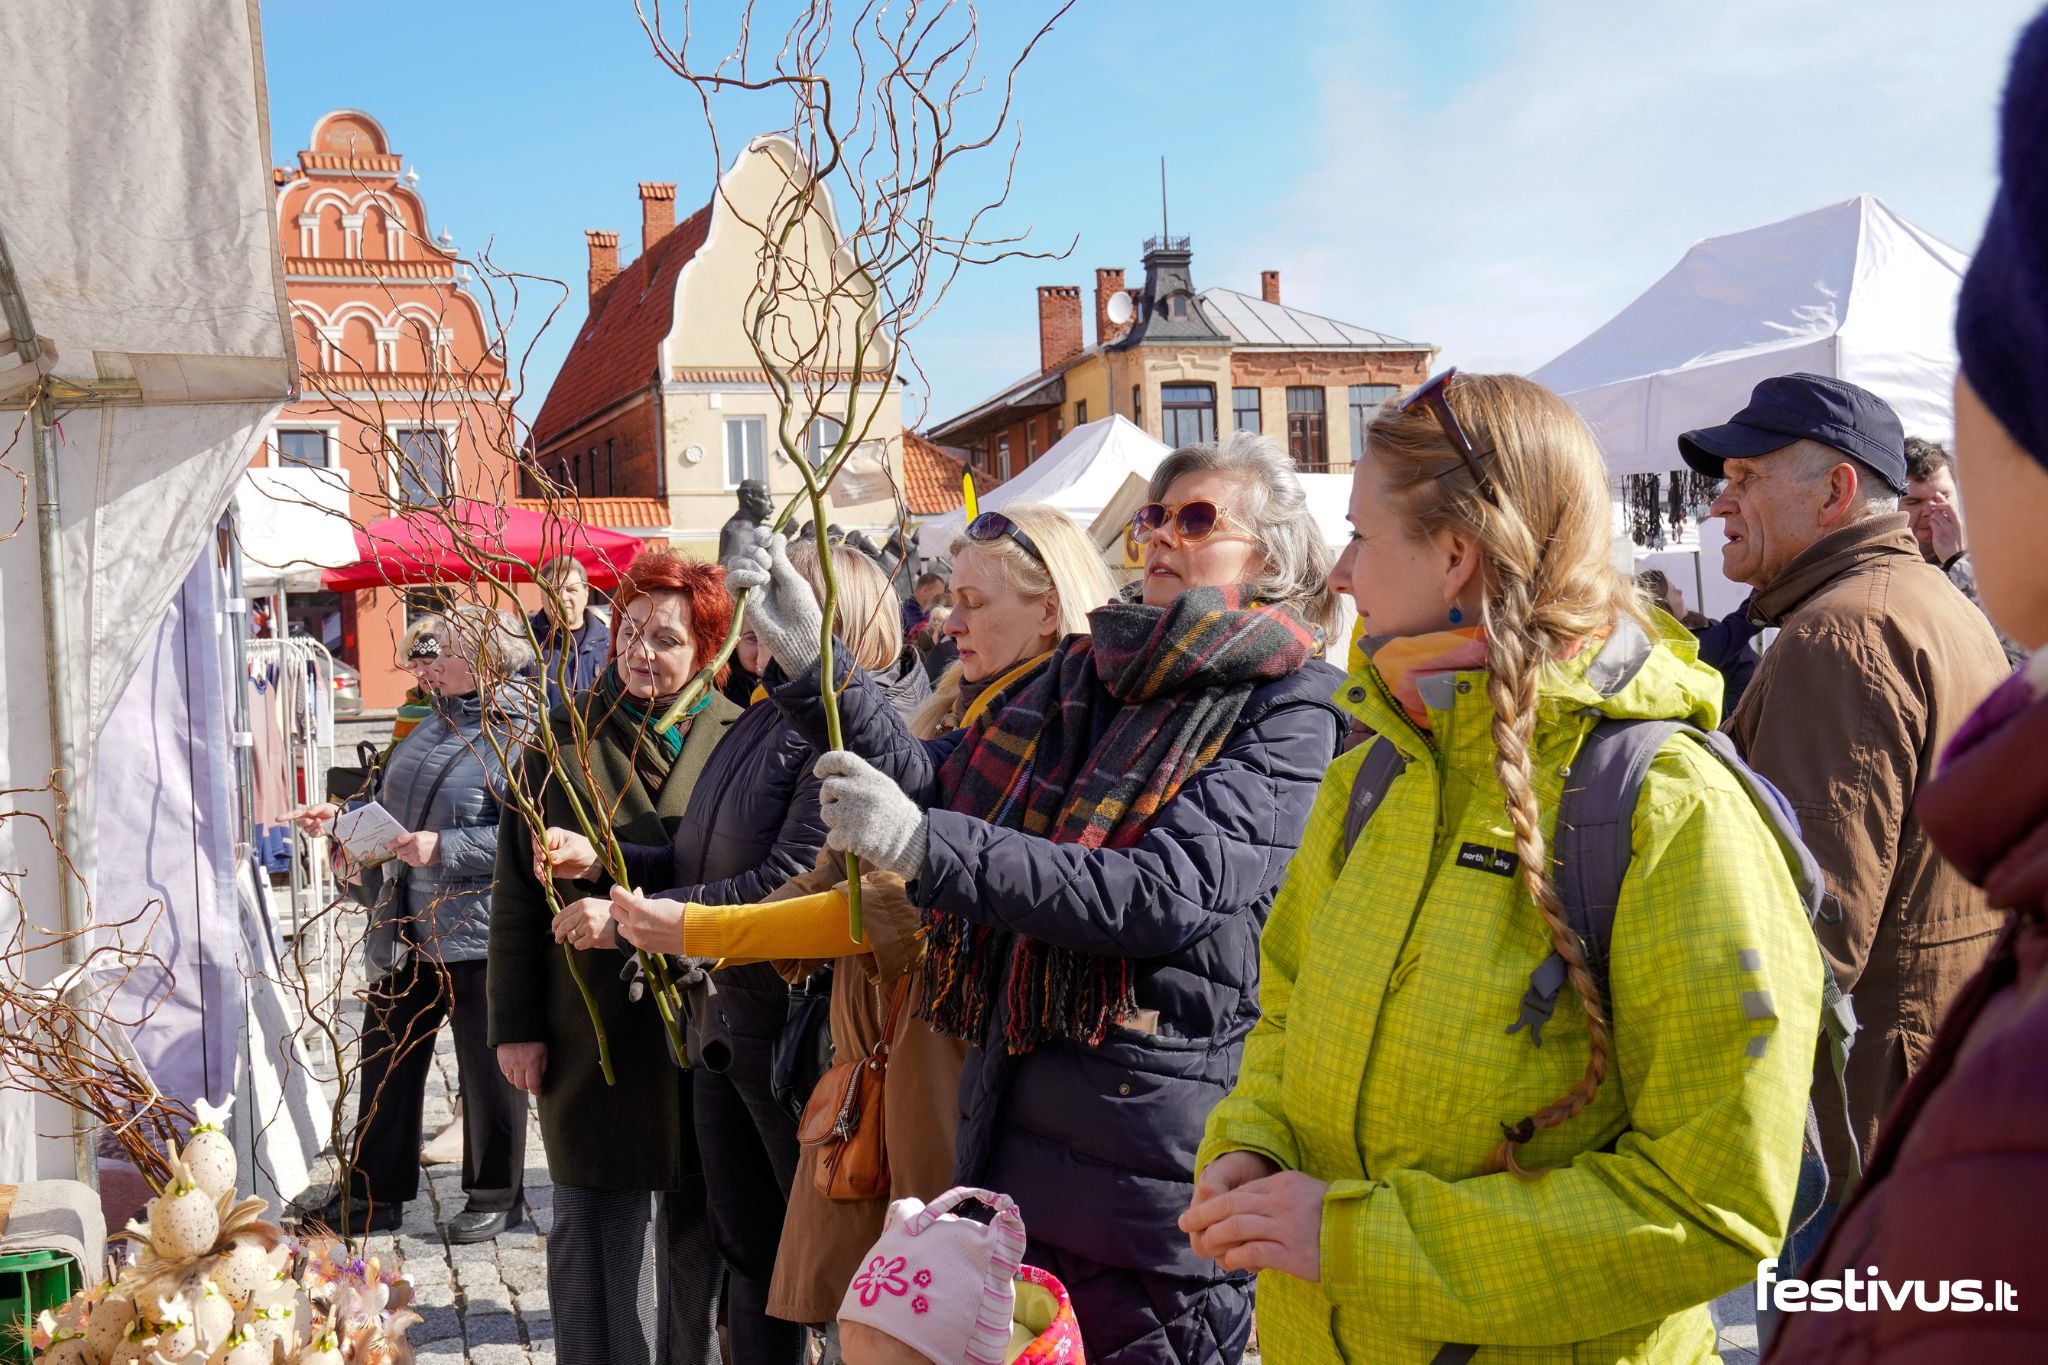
x: 868, y: 815
x: 783, y: 610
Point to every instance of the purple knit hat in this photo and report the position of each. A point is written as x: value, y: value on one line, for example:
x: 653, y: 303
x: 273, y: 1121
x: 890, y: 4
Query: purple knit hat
x: 2002, y: 312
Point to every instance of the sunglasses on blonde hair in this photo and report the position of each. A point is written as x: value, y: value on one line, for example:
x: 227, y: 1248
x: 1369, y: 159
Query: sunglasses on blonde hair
x: 995, y: 526
x: 1436, y: 396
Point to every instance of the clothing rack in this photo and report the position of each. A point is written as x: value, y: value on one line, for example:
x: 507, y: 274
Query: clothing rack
x: 292, y: 684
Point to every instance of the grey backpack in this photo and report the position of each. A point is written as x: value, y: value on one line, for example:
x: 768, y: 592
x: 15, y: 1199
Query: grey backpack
x: 1590, y: 856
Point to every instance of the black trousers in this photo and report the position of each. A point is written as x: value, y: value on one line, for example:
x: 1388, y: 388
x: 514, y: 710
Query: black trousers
x: 404, y: 1013
x: 747, y: 1143
x: 633, y: 1277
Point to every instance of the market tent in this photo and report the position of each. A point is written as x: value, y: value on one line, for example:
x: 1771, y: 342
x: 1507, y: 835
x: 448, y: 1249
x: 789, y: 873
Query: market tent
x: 419, y: 547
x: 144, y: 347
x: 1079, y: 475
x: 1852, y: 290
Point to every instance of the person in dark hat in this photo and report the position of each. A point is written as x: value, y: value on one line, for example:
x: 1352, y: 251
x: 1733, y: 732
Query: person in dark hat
x: 1954, y: 1189
x: 1878, y: 659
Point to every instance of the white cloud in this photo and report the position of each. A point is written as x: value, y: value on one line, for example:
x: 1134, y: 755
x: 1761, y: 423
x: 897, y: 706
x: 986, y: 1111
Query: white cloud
x: 1512, y: 213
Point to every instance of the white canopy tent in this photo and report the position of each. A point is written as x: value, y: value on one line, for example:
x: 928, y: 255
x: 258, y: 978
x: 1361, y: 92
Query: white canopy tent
x: 146, y: 346
x: 1079, y: 475
x: 1852, y: 291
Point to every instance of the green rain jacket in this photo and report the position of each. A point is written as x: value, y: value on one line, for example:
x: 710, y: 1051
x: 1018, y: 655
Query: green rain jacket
x: 1383, y: 1064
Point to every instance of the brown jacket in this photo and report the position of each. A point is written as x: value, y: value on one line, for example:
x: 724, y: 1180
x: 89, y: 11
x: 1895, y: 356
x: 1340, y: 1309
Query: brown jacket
x: 823, y: 1242
x: 1877, y: 661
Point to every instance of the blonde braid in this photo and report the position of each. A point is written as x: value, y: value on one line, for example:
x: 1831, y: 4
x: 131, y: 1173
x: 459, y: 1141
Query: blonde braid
x: 1513, y: 671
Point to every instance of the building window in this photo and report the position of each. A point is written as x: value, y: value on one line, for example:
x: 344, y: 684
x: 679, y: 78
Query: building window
x: 302, y: 447
x: 1081, y: 413
x: 611, y: 468
x: 1187, y: 414
x: 1030, y: 440
x: 821, y: 439
x: 745, y: 455
x: 1059, y: 426
x: 1306, y: 440
x: 1244, y: 410
x: 1002, y: 457
x: 423, y: 477
x: 1365, y: 401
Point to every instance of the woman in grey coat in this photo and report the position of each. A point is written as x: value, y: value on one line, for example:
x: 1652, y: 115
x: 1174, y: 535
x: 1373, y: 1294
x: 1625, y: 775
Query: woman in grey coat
x: 443, y: 782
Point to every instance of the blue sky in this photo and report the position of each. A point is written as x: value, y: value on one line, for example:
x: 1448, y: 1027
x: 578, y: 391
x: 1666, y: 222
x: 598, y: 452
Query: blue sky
x: 1498, y: 178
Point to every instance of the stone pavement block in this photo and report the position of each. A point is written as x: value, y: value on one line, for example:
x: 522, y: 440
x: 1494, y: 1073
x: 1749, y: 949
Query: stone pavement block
x: 498, y: 1355
x: 473, y: 1251
x: 489, y: 1329
x: 437, y: 1322
x: 530, y: 1280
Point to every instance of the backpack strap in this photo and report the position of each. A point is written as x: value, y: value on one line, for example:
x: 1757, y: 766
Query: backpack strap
x: 1590, y: 852
x: 1382, y: 764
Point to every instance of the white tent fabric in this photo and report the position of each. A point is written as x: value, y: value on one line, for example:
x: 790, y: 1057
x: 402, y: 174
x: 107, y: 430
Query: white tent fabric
x: 1852, y: 290
x: 141, y: 233
x: 291, y: 523
x: 1079, y: 475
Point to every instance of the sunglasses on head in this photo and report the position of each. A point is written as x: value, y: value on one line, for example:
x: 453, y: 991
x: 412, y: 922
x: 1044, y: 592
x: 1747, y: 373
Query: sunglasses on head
x: 1194, y: 520
x: 1436, y: 396
x: 995, y: 526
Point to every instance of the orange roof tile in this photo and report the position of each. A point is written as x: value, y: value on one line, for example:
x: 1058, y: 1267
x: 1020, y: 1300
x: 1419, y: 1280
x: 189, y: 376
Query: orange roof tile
x: 931, y: 477
x: 613, y: 514
x: 614, y: 355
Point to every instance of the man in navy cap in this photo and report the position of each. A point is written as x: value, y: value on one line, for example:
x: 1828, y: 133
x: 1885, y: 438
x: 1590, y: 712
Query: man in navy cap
x: 1878, y: 659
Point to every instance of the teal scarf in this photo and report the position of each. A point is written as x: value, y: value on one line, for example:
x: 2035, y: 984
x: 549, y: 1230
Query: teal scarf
x: 654, y: 752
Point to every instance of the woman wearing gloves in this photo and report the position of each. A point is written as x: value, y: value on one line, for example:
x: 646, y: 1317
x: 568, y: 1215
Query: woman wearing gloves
x: 1013, y: 606
x: 1408, y: 1172
x: 1095, y: 857
x: 751, y: 824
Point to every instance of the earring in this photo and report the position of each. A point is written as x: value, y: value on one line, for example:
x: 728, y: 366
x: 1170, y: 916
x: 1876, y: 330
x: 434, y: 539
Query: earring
x: 1457, y: 617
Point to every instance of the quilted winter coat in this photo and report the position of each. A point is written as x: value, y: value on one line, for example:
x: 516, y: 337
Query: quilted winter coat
x: 1382, y: 1063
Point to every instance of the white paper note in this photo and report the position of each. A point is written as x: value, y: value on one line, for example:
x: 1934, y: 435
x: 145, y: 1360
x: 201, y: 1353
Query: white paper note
x: 366, y: 832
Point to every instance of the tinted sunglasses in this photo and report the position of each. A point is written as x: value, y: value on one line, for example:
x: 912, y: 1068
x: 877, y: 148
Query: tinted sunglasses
x: 995, y: 526
x: 1435, y: 395
x: 1192, y: 521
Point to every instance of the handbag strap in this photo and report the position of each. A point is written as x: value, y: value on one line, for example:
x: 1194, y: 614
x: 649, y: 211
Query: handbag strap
x: 880, y: 1053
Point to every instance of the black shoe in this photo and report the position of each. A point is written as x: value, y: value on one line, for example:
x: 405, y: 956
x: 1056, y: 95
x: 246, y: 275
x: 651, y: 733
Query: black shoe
x: 360, y: 1219
x: 472, y: 1225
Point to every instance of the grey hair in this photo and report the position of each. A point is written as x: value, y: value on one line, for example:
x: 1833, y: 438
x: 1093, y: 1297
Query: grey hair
x: 1275, y: 506
x: 495, y: 641
x: 1874, y: 497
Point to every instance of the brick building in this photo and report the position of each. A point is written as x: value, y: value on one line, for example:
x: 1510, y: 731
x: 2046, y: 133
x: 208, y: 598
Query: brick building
x: 1185, y: 365
x: 661, y: 396
x: 401, y: 382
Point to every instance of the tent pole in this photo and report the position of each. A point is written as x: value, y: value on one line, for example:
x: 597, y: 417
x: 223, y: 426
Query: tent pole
x: 49, y: 550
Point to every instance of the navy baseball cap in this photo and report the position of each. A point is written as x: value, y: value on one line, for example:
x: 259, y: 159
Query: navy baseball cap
x: 1805, y: 407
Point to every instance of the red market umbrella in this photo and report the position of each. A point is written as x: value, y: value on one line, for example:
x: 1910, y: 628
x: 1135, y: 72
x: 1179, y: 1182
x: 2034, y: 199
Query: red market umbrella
x: 419, y: 547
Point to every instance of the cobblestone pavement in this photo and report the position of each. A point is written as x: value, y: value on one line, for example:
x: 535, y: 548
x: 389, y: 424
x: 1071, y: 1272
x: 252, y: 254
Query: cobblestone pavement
x: 486, y: 1303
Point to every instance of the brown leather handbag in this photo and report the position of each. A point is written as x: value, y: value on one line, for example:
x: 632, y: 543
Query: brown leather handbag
x: 844, y: 1120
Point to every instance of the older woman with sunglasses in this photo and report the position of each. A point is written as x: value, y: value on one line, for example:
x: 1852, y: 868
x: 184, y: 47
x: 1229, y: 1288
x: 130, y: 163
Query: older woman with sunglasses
x: 1095, y: 855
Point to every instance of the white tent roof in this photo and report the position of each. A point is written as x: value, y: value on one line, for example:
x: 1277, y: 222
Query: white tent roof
x: 1852, y: 290
x: 146, y: 301
x: 1079, y: 475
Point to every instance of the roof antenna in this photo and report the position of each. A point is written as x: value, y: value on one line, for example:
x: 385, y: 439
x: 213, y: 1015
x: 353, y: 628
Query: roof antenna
x: 1163, y: 234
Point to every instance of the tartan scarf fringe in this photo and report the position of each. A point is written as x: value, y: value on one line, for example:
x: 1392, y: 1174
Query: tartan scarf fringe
x: 1176, y: 679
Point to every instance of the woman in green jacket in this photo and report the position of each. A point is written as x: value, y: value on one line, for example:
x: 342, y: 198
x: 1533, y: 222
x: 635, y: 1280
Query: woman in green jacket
x: 1409, y: 1173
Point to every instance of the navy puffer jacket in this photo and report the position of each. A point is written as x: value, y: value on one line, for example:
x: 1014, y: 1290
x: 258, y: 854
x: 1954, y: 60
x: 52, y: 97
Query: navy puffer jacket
x: 1097, y: 1144
x: 450, y: 901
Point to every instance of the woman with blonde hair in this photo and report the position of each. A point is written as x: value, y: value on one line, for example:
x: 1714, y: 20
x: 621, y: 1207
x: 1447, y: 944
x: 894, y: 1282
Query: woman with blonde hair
x: 1426, y: 1153
x: 1012, y: 605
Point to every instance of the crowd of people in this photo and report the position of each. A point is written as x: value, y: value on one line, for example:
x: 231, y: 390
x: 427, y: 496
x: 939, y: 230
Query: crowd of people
x: 1506, y: 980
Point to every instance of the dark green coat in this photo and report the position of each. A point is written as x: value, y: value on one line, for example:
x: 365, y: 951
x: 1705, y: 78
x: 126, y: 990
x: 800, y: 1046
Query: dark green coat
x: 635, y: 1135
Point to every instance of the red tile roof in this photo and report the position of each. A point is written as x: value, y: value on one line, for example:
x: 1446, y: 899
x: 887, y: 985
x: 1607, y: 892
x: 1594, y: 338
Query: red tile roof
x: 931, y: 477
x: 614, y: 514
x: 614, y: 355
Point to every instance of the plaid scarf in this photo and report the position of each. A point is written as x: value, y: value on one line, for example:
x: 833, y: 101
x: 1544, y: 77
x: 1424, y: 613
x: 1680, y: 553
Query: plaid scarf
x: 1161, y: 687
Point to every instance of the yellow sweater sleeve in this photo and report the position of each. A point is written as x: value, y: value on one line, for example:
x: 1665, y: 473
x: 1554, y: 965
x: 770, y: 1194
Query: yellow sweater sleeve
x: 803, y: 926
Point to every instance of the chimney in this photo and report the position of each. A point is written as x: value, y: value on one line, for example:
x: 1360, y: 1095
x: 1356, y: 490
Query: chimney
x: 1107, y: 283
x: 1269, y: 285
x: 1059, y: 325
x: 657, y: 213
x: 604, y: 259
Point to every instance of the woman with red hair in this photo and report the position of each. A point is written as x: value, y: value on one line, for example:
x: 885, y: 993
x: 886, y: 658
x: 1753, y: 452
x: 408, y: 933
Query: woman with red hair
x: 633, y: 1268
